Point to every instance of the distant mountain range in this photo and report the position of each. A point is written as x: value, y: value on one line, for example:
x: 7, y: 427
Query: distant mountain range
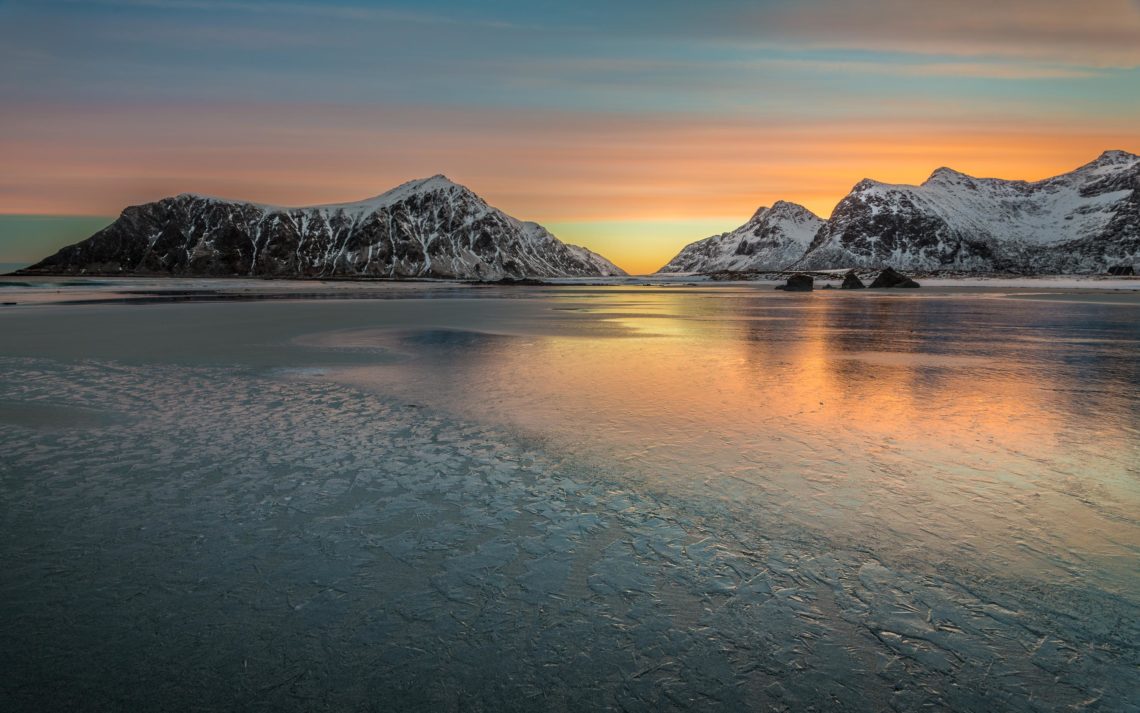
x: 424, y: 228
x: 1084, y: 221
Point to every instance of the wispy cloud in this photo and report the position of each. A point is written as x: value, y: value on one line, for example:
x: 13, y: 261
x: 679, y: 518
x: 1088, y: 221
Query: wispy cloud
x: 369, y: 13
x: 1092, y: 33
x: 587, y: 111
x: 890, y: 66
x: 542, y: 165
x: 571, y: 170
x: 910, y: 68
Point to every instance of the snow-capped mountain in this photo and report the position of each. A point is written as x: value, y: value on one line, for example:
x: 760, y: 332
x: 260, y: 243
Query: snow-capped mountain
x: 772, y: 239
x: 1078, y: 222
x: 424, y: 228
x: 1084, y: 221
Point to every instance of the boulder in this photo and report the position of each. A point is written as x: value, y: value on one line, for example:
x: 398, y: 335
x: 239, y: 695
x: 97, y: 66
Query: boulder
x: 798, y: 283
x: 851, y: 281
x: 890, y: 278
x: 1121, y: 270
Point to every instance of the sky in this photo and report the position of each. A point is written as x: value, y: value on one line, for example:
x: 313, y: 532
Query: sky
x: 632, y: 128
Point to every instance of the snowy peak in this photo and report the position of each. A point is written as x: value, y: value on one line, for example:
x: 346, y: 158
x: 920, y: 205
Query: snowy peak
x: 404, y: 191
x: 786, y: 210
x: 1081, y: 221
x: 869, y: 184
x: 420, y: 186
x: 429, y: 227
x: 434, y: 182
x: 948, y: 177
x: 782, y: 210
x: 773, y: 238
x: 1114, y: 157
x: 759, y: 214
x: 1109, y: 169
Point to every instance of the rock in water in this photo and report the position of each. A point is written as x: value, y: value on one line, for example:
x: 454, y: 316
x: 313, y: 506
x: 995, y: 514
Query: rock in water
x: 851, y: 281
x: 1121, y: 270
x: 890, y: 278
x: 798, y: 283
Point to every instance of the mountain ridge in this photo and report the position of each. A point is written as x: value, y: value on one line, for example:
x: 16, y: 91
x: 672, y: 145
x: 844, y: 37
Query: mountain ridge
x: 1082, y: 221
x: 429, y: 227
x: 771, y: 237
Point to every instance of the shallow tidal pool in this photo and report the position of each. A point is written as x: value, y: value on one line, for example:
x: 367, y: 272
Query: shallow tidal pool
x: 573, y: 498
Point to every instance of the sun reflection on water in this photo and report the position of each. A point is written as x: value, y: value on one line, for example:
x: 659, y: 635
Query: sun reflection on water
x: 953, y: 425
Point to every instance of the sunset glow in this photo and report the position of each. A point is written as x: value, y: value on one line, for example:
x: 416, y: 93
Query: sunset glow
x: 312, y: 400
x: 630, y: 137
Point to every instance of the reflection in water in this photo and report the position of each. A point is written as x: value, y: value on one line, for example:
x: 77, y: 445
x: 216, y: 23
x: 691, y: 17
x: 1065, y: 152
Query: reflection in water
x: 1000, y: 431
x: 572, y: 499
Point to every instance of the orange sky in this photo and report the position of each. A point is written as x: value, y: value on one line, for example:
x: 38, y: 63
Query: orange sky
x: 635, y: 188
x: 632, y: 128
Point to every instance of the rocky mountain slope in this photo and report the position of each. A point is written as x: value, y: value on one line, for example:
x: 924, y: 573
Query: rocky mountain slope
x: 424, y: 228
x: 771, y: 240
x: 1084, y: 221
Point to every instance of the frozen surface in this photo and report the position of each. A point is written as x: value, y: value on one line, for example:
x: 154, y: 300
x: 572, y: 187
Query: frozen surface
x: 572, y: 499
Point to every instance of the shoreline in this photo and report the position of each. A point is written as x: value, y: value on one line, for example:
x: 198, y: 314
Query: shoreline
x: 104, y: 291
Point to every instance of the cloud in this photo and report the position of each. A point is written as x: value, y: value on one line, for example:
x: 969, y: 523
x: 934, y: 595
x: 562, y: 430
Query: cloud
x: 1089, y: 33
x: 573, y: 169
x: 1094, y: 33
x: 898, y: 68
x: 752, y: 70
x: 327, y: 10
x: 538, y: 164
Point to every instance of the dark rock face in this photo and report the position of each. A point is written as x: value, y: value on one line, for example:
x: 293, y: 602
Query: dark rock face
x: 851, y: 281
x: 890, y: 278
x: 1122, y: 270
x: 798, y: 283
x: 426, y: 228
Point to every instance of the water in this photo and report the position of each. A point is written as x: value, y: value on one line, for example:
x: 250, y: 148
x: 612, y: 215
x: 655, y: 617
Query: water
x: 573, y: 499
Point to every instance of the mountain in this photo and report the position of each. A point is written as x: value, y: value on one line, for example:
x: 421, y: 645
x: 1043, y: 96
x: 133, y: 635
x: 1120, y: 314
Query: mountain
x: 772, y: 239
x: 1084, y: 221
x: 424, y: 228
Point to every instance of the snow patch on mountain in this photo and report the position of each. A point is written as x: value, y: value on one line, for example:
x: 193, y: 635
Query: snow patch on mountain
x: 429, y: 227
x: 1084, y: 221
x: 1080, y: 221
x: 771, y: 239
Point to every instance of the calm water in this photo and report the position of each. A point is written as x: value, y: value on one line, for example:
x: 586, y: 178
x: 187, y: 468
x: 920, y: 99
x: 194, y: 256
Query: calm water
x: 573, y: 498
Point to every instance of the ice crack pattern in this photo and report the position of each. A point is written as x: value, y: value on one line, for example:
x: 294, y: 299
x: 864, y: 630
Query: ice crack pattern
x: 220, y: 538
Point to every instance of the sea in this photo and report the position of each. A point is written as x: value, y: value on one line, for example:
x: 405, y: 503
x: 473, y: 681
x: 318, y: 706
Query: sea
x: 626, y: 497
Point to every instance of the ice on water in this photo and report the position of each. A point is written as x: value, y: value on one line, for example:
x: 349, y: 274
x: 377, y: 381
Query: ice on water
x: 491, y: 505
